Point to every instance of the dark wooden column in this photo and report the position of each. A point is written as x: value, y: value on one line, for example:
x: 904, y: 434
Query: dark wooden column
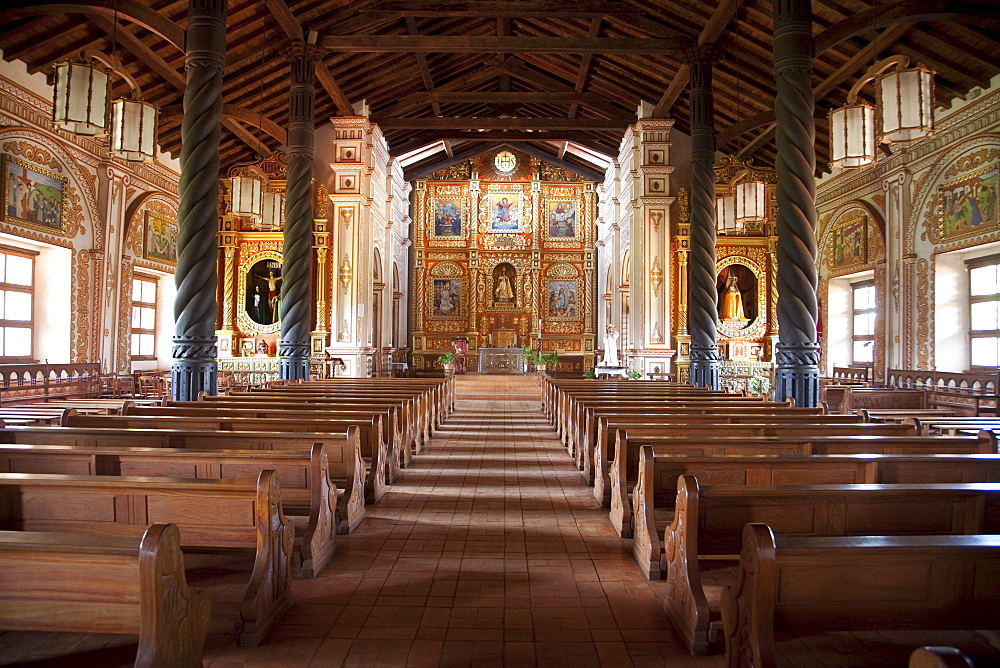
x: 194, y: 369
x: 296, y: 268
x: 797, y: 353
x: 702, y: 295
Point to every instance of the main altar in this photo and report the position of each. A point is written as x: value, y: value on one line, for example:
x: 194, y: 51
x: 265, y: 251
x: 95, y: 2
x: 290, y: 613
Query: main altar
x: 503, y: 257
x: 500, y: 360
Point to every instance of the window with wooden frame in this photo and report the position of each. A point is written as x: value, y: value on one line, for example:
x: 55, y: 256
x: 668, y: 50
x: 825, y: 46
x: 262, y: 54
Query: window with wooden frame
x: 984, y: 312
x: 17, y: 304
x: 143, y: 317
x: 863, y: 310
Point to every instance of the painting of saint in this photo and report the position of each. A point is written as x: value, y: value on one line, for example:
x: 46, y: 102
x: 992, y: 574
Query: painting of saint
x: 160, y: 240
x: 969, y: 204
x: 505, y: 211
x: 32, y: 195
x: 850, y: 244
x: 447, y: 297
x: 562, y: 299
x: 447, y: 218
x: 562, y: 219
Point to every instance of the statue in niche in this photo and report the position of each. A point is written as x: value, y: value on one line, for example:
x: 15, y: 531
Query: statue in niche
x: 737, y: 295
x: 503, y: 284
x: 731, y: 306
x: 263, y: 292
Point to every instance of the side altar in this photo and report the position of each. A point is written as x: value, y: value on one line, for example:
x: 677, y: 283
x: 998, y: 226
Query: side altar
x: 500, y: 360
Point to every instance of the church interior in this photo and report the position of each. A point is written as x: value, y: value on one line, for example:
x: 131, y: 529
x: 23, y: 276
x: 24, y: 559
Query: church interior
x: 497, y: 292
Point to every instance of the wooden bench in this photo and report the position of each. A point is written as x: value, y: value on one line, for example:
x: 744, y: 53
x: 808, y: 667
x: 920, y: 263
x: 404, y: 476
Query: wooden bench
x: 346, y: 467
x: 105, y: 584
x: 598, y: 463
x: 389, y: 415
x: 794, y: 585
x: 625, y: 469
x: 373, y: 445
x: 219, y: 514
x: 35, y: 414
x: 606, y: 452
x: 309, y: 499
x: 708, y: 522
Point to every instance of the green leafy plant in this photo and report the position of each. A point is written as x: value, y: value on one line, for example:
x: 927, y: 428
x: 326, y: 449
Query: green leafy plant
x: 447, y: 358
x: 634, y: 375
x: 537, y: 357
x: 589, y: 373
x: 527, y: 354
x: 759, y: 385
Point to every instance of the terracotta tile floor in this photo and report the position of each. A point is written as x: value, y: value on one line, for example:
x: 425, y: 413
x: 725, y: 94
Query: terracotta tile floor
x: 490, y: 550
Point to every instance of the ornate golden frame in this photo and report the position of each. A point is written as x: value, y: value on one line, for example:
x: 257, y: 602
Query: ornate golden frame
x: 246, y: 323
x: 756, y: 328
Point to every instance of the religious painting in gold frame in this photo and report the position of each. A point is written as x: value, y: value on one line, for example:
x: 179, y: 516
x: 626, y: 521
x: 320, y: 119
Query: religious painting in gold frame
x: 967, y: 204
x: 849, y: 242
x: 32, y: 196
x: 259, y: 275
x: 159, y: 238
x: 446, y: 297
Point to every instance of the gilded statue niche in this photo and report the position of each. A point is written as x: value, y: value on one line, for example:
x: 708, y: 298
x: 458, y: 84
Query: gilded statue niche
x: 742, y: 286
x: 259, y: 293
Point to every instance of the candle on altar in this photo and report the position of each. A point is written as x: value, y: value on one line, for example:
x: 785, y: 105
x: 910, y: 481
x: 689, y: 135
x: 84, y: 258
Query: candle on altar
x: 539, y: 328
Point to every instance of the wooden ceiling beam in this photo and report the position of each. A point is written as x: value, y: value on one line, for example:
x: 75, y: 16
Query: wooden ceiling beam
x: 466, y: 123
x: 329, y: 84
x: 980, y: 13
x: 425, y: 70
x: 588, y: 59
x: 481, y: 43
x: 508, y: 8
x: 474, y: 79
x: 521, y: 71
x: 286, y: 20
x: 710, y: 33
x: 129, y: 10
x: 431, y: 165
x: 430, y: 136
x: 241, y: 114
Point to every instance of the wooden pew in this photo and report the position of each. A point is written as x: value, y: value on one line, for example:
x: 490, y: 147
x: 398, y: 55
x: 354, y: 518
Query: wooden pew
x: 389, y: 415
x: 939, y: 657
x: 105, y: 584
x: 596, y: 470
x: 708, y: 523
x: 795, y: 585
x: 373, y: 444
x: 226, y: 514
x: 308, y: 496
x: 35, y: 414
x: 625, y: 469
x: 347, y: 468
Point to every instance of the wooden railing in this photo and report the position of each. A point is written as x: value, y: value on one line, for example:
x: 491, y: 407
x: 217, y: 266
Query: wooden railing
x: 27, y: 383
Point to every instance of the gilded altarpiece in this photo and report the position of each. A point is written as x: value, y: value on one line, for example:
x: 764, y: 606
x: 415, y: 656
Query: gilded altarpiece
x: 250, y: 277
x: 504, y: 258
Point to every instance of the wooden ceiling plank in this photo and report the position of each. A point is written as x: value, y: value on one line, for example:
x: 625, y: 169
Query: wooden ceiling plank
x: 542, y: 154
x: 524, y: 73
x: 473, y: 79
x: 478, y: 44
x: 70, y: 51
x: 856, y: 65
x: 581, y: 77
x: 143, y: 53
x: 129, y: 10
x: 710, y: 33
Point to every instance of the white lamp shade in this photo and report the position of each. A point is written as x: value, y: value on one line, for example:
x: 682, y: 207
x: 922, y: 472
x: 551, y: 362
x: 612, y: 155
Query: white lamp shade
x: 246, y: 196
x: 273, y: 205
x: 725, y: 214
x: 906, y: 103
x: 133, y: 130
x: 80, y: 98
x: 749, y: 202
x: 852, y: 136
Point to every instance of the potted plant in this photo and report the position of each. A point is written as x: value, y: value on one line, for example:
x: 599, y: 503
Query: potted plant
x: 634, y: 375
x: 543, y: 360
x: 589, y: 374
x: 447, y: 361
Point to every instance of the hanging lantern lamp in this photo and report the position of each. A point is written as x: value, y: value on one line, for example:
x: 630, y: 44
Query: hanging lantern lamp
x: 906, y: 103
x: 133, y: 130
x: 273, y: 205
x: 749, y: 203
x: 852, y: 136
x: 725, y: 214
x: 80, y: 98
x: 246, y: 197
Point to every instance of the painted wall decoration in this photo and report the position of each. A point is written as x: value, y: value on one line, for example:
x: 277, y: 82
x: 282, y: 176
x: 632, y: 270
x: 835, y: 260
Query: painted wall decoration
x: 850, y: 243
x: 448, y: 217
x: 159, y: 240
x: 561, y: 218
x: 505, y: 211
x: 967, y: 204
x: 562, y: 299
x: 32, y: 195
x: 447, y: 296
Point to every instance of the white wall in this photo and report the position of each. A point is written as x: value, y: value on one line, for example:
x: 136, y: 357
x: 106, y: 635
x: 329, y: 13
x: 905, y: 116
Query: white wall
x: 838, y: 322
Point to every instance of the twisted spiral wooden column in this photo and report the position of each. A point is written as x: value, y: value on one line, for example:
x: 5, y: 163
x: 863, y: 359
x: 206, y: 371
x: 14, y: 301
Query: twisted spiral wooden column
x: 194, y: 369
x: 296, y: 305
x: 702, y: 295
x: 797, y: 354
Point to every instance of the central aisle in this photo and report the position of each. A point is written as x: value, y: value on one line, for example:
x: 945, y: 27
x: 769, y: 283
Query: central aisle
x: 490, y: 550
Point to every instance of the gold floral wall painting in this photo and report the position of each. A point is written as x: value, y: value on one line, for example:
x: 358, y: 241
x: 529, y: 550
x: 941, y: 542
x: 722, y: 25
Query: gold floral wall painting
x: 849, y: 244
x: 447, y: 297
x: 159, y: 240
x: 562, y: 299
x: 32, y: 196
x: 967, y: 204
